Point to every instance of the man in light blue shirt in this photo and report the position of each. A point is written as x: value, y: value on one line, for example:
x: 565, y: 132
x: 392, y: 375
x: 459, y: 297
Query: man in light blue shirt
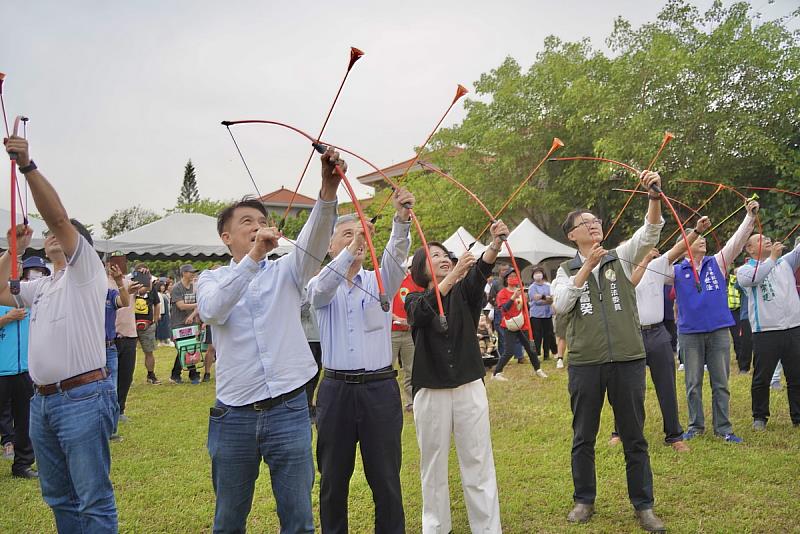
x: 263, y: 360
x: 359, y: 399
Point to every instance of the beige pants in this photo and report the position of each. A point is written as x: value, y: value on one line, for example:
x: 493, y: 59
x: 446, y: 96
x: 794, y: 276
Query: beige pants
x: 464, y: 411
x: 403, y: 352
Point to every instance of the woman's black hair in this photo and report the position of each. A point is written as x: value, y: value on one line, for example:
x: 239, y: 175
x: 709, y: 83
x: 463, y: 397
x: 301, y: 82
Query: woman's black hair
x: 419, y: 264
x: 540, y: 269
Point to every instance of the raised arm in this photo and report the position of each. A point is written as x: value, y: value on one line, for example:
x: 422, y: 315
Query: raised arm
x: 314, y: 238
x: 45, y: 197
x: 703, y: 224
x: 322, y: 288
x: 744, y: 274
x: 24, y: 234
x: 123, y: 298
x: 645, y: 238
x: 394, y: 255
x: 219, y: 292
x: 738, y: 240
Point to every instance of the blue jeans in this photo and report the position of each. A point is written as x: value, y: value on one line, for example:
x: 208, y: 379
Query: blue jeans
x: 714, y: 350
x: 112, y: 364
x: 238, y: 439
x: 70, y: 432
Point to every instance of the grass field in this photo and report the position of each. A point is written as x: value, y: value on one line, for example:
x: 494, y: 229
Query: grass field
x: 162, y: 473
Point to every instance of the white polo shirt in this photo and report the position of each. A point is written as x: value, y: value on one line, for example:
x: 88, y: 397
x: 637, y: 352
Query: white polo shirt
x: 67, y: 332
x: 650, y: 291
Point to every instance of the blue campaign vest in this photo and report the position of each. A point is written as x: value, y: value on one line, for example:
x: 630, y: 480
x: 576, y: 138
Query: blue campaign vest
x: 13, y: 346
x: 705, y: 311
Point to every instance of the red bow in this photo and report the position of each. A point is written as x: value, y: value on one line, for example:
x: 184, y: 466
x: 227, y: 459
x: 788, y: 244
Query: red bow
x: 12, y: 241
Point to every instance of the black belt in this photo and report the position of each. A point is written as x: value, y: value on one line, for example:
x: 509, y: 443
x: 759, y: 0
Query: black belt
x: 110, y: 344
x: 651, y: 326
x: 268, y: 404
x: 360, y: 378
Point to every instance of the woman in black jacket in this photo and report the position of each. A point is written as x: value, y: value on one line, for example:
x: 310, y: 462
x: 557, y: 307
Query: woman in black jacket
x: 447, y: 382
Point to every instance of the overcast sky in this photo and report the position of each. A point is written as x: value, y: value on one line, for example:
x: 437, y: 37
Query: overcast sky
x: 121, y: 94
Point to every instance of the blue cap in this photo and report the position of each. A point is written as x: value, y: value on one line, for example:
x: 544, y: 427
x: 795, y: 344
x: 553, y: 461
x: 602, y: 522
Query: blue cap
x: 35, y: 262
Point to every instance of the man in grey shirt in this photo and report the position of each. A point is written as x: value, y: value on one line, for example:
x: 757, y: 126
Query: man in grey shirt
x: 183, y: 311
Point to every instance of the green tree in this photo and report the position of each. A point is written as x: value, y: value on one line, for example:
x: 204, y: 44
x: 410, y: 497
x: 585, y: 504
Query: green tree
x: 123, y: 220
x: 726, y: 83
x: 294, y: 224
x: 189, y: 194
x: 206, y: 206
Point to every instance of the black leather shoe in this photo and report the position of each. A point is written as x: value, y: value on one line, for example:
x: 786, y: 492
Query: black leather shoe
x: 26, y: 473
x: 649, y: 521
x: 581, y: 513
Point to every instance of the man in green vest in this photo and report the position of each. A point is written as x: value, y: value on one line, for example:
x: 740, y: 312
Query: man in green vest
x: 606, y: 353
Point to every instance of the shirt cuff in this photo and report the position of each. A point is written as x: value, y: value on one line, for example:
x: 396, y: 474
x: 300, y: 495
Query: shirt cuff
x: 327, y: 203
x: 572, y: 287
x: 346, y: 257
x: 401, y: 225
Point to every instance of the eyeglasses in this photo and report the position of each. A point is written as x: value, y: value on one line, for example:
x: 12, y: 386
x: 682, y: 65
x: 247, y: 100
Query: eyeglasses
x: 589, y: 222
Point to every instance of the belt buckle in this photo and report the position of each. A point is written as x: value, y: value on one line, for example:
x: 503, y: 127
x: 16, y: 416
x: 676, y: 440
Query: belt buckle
x: 257, y: 406
x: 354, y: 378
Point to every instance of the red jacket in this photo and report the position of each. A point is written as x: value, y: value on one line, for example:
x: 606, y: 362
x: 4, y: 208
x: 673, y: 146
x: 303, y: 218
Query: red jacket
x: 399, y: 302
x: 503, y: 296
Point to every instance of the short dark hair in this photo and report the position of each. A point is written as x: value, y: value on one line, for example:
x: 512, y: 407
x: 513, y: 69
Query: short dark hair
x: 249, y: 201
x: 83, y: 231
x: 569, y: 222
x: 539, y: 269
x: 419, y: 264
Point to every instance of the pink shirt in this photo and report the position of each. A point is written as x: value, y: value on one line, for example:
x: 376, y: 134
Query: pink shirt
x: 126, y: 322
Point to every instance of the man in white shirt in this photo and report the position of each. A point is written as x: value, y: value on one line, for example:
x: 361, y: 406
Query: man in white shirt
x: 74, y: 406
x: 649, y: 277
x: 263, y: 359
x: 774, y: 314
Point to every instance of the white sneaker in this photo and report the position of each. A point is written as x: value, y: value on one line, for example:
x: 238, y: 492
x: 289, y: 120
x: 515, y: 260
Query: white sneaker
x: 499, y: 377
x: 560, y: 363
x: 680, y: 367
x: 540, y: 373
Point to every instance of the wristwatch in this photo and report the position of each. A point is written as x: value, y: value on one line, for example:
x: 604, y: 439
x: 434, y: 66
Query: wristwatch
x: 28, y: 168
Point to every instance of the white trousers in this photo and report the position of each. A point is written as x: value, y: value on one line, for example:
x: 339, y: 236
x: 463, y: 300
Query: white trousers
x: 464, y: 412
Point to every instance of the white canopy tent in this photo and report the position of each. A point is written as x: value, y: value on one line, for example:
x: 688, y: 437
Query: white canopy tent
x: 179, y: 234
x: 531, y: 244
x: 176, y: 235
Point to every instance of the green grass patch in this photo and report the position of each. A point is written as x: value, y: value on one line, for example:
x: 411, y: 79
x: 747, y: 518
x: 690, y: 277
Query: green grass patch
x: 162, y: 473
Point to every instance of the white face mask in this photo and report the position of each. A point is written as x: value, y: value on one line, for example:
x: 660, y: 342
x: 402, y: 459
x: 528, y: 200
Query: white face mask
x: 538, y: 277
x: 35, y: 275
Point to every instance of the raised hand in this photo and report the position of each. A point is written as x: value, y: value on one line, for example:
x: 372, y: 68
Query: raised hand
x: 703, y: 224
